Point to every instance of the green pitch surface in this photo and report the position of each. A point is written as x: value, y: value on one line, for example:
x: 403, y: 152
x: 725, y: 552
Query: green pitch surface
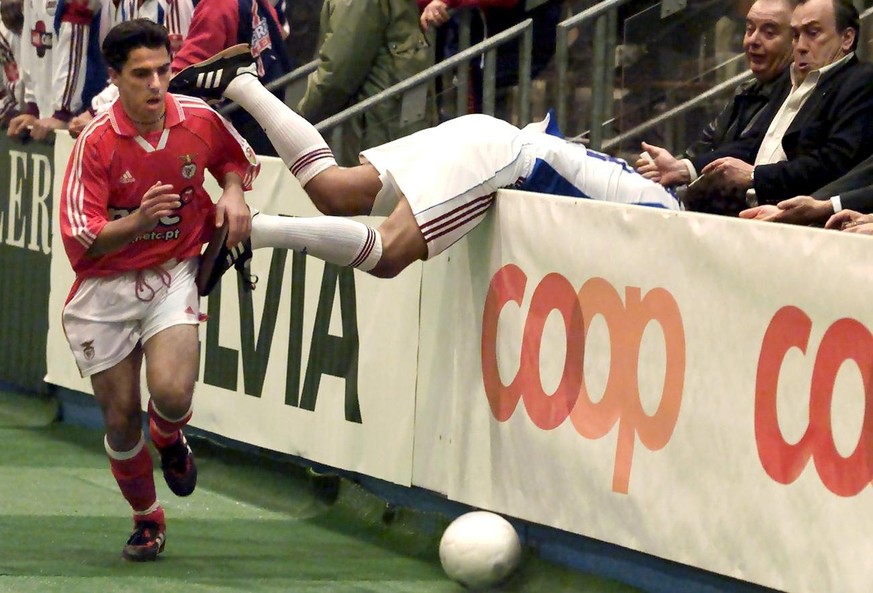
x: 254, y: 524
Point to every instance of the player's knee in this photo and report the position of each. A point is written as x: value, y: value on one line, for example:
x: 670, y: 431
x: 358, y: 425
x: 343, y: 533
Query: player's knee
x: 392, y: 262
x: 387, y: 269
x: 329, y: 205
x: 172, y: 397
x: 122, y: 426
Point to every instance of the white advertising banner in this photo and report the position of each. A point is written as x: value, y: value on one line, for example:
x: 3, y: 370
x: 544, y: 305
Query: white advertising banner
x: 318, y: 361
x: 693, y: 387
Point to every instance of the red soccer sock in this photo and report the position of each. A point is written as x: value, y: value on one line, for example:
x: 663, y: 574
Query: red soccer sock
x: 165, y: 432
x: 133, y: 470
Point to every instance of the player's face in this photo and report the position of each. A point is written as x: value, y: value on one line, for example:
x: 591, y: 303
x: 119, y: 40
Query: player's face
x: 767, y: 41
x: 142, y: 83
x: 817, y: 42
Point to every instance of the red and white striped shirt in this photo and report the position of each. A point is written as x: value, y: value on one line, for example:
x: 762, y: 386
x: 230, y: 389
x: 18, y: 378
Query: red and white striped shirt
x: 112, y: 166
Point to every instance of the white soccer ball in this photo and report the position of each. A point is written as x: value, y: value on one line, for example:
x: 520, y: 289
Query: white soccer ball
x: 479, y: 549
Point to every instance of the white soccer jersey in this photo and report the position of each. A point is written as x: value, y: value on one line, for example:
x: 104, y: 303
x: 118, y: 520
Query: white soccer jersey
x: 35, y: 66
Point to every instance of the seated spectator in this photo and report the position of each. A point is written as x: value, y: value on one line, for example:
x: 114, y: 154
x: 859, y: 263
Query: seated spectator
x: 767, y: 45
x: 822, y: 129
x: 852, y: 191
x: 366, y: 47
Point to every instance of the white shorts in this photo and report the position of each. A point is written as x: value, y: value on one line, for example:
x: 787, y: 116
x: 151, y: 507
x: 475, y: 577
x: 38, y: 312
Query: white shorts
x: 448, y: 182
x: 107, y: 317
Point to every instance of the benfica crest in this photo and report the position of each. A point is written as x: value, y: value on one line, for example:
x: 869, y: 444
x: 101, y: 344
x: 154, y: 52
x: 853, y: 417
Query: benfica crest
x: 189, y: 167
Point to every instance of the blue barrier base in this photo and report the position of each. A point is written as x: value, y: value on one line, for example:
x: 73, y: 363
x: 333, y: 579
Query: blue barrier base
x: 646, y: 572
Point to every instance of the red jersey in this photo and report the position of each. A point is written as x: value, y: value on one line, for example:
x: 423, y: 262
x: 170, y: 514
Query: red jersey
x: 112, y: 167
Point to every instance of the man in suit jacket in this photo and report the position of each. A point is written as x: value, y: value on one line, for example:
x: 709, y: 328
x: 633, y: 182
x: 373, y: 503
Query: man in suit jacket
x: 820, y: 131
x: 851, y: 192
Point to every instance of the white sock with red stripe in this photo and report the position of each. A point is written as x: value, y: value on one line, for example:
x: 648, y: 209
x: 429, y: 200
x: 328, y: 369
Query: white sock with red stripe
x: 340, y: 241
x: 301, y: 147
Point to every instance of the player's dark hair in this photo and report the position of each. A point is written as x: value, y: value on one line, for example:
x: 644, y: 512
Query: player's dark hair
x: 125, y: 37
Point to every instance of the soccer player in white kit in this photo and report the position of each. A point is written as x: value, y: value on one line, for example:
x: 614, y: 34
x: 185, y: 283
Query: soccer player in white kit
x: 134, y: 217
x: 434, y: 186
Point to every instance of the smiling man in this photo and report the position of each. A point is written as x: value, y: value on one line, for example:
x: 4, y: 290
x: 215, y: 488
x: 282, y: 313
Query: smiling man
x: 823, y: 127
x: 767, y: 45
x: 134, y: 216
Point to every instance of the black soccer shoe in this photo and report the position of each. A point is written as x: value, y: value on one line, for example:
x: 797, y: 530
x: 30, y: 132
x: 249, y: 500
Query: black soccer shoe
x: 217, y: 259
x: 145, y: 543
x: 209, y: 79
x: 177, y: 463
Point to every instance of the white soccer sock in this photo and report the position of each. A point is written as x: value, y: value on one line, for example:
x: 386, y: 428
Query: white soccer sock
x: 336, y: 240
x: 301, y: 147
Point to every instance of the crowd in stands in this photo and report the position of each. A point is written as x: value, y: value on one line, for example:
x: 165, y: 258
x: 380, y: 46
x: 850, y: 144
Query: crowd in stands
x: 793, y: 145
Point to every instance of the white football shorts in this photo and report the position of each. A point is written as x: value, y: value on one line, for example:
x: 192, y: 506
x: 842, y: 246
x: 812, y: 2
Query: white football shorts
x: 107, y: 317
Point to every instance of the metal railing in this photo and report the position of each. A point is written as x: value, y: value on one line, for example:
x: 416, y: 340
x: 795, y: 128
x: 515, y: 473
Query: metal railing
x: 601, y: 108
x: 487, y: 47
x: 603, y: 64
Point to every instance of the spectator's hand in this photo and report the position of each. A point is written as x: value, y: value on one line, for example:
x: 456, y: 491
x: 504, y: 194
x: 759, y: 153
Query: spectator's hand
x: 43, y: 127
x: 763, y: 212
x: 436, y: 13
x: 804, y: 210
x: 231, y: 209
x: 851, y: 221
x: 730, y: 172
x: 20, y: 125
x: 78, y: 123
x: 663, y: 168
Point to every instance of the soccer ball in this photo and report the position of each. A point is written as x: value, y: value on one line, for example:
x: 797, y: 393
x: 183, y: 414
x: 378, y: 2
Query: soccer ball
x: 479, y: 549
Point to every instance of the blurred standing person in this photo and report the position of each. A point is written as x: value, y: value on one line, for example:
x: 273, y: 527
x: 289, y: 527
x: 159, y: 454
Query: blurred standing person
x: 219, y: 24
x: 366, y: 47
x: 491, y: 18
x: 174, y: 15
x: 61, y: 67
x: 11, y: 91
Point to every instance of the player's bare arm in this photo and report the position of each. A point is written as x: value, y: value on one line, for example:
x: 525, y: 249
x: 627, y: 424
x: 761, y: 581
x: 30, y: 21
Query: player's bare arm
x: 158, y: 202
x: 232, y: 208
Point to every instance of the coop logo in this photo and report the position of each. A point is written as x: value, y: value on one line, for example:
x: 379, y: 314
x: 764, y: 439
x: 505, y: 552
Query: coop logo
x: 626, y: 319
x: 845, y: 340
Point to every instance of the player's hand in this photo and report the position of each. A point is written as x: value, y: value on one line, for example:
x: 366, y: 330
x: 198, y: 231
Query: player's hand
x: 763, y: 212
x: 663, y: 167
x: 42, y: 128
x: 849, y: 220
x: 436, y: 13
x: 731, y: 172
x: 231, y: 209
x: 78, y: 123
x: 20, y: 125
x: 158, y: 202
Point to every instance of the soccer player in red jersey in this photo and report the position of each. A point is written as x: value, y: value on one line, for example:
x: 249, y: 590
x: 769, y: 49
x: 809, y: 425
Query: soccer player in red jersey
x: 134, y: 217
